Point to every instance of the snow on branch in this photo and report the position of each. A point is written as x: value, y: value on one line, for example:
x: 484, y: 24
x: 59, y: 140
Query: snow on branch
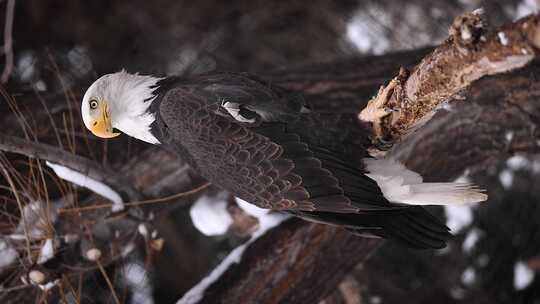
x: 267, y: 221
x: 85, y: 181
x: 46, y: 252
x: 73, y: 162
x: 39, y: 218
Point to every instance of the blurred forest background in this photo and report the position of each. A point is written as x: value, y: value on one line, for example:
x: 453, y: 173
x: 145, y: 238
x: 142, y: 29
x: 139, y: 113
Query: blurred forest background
x: 61, y: 47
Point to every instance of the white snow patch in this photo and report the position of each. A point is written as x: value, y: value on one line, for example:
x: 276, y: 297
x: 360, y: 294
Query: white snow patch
x: 95, y: 186
x: 40, y: 85
x: 127, y: 249
x: 457, y: 293
x: 93, y: 254
x: 375, y: 300
x: 136, y: 278
x: 46, y: 252
x: 468, y: 277
x: 523, y: 275
x: 35, y: 277
x: 458, y: 217
x: 483, y: 260
x: 518, y: 162
x: 143, y: 230
x: 471, y: 239
x: 367, y: 35
x: 49, y: 285
x: 8, y: 254
x: 506, y: 177
x: 80, y: 60
x: 536, y: 166
x: 26, y: 66
x: 37, y: 216
x: 503, y: 38
x: 479, y: 11
x: 526, y: 7
x: 509, y: 135
x: 266, y: 222
x: 210, y: 216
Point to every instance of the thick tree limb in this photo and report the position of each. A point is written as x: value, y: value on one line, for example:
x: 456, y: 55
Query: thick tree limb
x: 300, y: 262
x: 284, y: 266
x: 78, y: 163
x: 472, y: 51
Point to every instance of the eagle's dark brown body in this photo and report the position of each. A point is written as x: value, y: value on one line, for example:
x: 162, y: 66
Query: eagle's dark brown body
x: 287, y: 157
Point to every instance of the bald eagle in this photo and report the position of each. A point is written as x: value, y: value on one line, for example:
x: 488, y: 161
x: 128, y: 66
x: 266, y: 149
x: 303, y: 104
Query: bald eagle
x: 265, y: 145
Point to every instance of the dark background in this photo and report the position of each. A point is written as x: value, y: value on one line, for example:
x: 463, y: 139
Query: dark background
x: 81, y: 40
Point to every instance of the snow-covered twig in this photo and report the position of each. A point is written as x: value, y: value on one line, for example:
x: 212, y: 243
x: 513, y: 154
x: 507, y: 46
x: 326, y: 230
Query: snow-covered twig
x: 74, y: 162
x: 85, y: 181
x: 36, y: 217
x: 47, y: 251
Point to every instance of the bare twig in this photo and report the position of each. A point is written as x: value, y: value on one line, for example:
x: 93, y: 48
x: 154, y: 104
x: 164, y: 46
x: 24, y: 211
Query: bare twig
x: 139, y: 203
x: 109, y: 283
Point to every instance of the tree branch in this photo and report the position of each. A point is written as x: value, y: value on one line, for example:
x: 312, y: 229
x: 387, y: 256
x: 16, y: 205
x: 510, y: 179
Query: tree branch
x: 471, y: 52
x: 78, y: 163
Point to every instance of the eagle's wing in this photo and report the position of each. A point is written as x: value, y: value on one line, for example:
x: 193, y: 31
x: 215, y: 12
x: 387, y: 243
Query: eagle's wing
x: 265, y: 163
x: 299, y: 166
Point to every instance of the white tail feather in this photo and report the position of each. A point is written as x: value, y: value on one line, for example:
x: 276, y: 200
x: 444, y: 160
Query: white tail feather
x: 401, y: 185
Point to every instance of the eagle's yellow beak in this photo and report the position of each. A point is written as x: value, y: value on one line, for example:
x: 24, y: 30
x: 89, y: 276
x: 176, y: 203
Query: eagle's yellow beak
x: 102, y: 125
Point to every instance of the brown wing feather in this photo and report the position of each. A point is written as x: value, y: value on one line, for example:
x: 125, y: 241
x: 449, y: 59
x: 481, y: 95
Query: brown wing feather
x: 304, y: 164
x: 281, y: 173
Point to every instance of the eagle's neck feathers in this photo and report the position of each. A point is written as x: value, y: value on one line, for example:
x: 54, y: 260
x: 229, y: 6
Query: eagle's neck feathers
x: 130, y: 96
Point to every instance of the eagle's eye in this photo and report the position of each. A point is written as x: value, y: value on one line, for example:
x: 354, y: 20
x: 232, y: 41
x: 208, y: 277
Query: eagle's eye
x: 93, y: 104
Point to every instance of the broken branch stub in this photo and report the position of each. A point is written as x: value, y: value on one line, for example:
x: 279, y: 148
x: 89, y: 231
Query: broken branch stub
x: 471, y: 51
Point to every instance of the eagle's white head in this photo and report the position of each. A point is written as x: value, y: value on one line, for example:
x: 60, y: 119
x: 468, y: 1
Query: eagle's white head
x: 120, y: 101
